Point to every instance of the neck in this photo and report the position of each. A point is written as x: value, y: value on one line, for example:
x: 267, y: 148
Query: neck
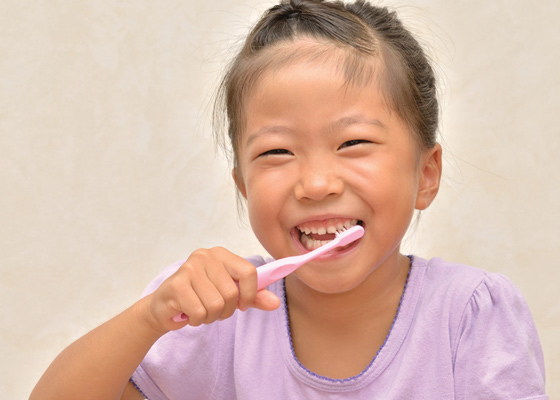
x: 376, y: 296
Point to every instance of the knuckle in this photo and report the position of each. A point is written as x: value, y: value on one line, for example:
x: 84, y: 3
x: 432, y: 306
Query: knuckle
x: 248, y: 273
x: 173, y: 286
x: 217, y: 250
x: 199, y: 253
x: 231, y: 293
x: 215, y: 305
x: 197, y: 316
x: 204, y: 256
x: 191, y: 269
x: 227, y: 313
x: 188, y: 267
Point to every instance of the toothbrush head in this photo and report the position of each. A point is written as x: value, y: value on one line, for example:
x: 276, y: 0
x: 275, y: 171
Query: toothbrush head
x: 348, y: 236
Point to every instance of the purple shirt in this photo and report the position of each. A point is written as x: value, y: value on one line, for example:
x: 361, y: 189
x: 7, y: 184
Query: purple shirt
x: 460, y: 333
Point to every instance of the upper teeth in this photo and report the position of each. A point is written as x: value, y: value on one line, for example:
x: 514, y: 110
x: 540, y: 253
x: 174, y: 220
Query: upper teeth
x: 333, y: 226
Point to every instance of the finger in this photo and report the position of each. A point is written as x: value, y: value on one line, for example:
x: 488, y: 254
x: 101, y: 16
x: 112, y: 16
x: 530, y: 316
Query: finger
x: 210, y: 298
x: 191, y: 308
x: 194, y: 293
x: 266, y: 300
x: 227, y: 288
x: 241, y: 271
x: 245, y: 274
x: 207, y: 301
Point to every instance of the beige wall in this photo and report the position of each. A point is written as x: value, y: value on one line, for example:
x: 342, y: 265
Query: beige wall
x: 108, y: 171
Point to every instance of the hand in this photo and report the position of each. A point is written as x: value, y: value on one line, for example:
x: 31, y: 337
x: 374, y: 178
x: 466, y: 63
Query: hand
x: 209, y: 286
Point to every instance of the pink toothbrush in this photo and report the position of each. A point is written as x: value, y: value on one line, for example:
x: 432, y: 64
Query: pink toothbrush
x: 278, y: 269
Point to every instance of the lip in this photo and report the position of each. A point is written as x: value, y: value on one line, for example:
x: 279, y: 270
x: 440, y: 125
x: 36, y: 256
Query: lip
x: 343, y: 252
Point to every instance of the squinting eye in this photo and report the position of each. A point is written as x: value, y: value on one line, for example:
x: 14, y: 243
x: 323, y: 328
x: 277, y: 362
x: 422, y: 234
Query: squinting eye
x: 274, y: 152
x: 353, y: 143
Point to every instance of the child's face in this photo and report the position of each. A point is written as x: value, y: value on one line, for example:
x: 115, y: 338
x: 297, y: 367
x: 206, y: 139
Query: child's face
x: 316, y: 154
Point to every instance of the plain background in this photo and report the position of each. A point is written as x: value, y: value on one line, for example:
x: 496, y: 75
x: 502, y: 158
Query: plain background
x: 108, y: 169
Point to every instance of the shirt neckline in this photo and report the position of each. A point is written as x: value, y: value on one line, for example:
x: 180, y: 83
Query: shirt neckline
x: 391, y: 344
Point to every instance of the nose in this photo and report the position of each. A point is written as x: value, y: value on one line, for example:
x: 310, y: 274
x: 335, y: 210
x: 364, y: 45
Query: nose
x: 317, y: 181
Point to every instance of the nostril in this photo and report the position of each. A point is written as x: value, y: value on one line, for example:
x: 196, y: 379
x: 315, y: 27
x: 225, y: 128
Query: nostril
x: 317, y: 183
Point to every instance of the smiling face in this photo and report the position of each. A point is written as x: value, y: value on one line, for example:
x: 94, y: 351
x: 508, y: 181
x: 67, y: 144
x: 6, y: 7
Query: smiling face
x: 317, y: 155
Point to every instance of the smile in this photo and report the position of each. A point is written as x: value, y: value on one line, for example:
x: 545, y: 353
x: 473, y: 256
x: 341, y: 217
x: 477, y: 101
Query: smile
x: 317, y: 233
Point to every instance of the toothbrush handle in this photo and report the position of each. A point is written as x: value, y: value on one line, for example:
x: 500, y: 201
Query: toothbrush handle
x: 273, y: 271
x: 278, y: 269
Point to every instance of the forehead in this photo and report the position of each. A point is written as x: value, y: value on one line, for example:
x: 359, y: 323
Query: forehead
x: 350, y: 69
x: 309, y: 97
x: 308, y: 78
x: 356, y: 68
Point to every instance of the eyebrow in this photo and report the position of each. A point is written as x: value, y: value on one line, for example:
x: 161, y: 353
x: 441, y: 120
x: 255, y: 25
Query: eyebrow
x: 357, y: 119
x: 267, y: 130
x: 343, y: 122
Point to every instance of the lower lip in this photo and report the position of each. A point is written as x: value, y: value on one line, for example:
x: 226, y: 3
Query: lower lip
x: 340, y: 252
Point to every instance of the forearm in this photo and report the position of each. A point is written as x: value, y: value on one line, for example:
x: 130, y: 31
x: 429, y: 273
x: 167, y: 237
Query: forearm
x: 99, y: 365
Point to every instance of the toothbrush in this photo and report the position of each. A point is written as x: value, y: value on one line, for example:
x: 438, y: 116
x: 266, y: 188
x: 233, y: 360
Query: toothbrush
x: 278, y: 269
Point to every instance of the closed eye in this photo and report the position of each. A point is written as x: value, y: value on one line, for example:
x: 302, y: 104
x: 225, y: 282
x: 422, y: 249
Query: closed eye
x: 353, y: 142
x: 275, y: 152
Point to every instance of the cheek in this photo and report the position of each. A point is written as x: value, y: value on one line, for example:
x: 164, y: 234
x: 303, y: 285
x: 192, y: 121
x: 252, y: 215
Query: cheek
x: 267, y: 211
x: 386, y: 181
x: 268, y: 187
x: 264, y: 201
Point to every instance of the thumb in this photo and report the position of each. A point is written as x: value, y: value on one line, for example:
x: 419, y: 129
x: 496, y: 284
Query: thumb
x: 266, y: 300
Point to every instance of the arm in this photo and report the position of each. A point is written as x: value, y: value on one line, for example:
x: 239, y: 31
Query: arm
x: 100, y: 364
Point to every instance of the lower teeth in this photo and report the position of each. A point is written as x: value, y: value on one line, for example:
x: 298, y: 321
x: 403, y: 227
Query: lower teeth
x: 311, y: 244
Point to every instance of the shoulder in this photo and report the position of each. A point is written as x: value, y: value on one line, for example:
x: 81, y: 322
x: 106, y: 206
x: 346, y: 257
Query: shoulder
x: 493, y: 340
x: 450, y: 272
x: 462, y: 292
x: 462, y: 282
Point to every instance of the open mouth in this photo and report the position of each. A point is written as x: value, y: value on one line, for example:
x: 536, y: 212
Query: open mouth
x: 317, y: 233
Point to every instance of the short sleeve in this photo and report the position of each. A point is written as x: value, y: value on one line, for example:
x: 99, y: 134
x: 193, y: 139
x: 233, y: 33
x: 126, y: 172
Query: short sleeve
x: 187, y: 363
x: 497, y: 353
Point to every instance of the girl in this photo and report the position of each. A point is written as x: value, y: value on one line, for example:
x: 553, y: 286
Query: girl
x: 332, y: 115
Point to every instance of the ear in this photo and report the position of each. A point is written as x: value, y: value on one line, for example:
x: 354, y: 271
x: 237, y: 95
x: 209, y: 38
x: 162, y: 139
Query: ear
x: 238, y: 179
x: 430, y: 177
